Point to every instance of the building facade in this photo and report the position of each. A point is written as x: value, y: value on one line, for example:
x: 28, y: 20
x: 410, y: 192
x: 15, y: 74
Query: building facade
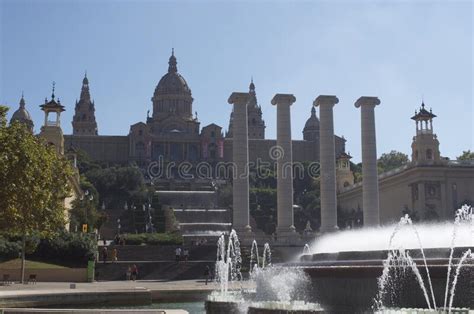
x: 172, y: 132
x: 429, y: 187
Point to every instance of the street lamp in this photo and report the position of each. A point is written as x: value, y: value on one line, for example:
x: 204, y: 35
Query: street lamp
x: 149, y: 224
x: 86, y: 198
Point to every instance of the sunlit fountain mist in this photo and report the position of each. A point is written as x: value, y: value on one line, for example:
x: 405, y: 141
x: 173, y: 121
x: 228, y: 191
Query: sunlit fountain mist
x: 275, y: 288
x: 398, y: 260
x: 374, y: 269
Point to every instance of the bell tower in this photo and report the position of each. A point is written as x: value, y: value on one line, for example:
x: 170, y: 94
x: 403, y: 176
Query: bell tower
x: 425, y: 145
x: 344, y: 175
x: 83, y: 122
x: 51, y: 130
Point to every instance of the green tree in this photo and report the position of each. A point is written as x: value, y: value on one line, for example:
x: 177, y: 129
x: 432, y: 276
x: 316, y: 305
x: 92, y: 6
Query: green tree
x: 391, y: 161
x: 35, y: 182
x: 466, y: 155
x: 84, y: 209
x: 3, y: 116
x: 117, y: 185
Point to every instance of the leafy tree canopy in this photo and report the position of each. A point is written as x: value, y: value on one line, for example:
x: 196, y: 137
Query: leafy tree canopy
x: 466, y: 155
x: 392, y: 160
x: 35, y: 182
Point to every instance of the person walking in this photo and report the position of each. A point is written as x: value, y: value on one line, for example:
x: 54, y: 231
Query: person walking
x: 104, y: 254
x: 185, y: 254
x: 114, y: 255
x: 207, y: 273
x: 128, y: 274
x: 177, y: 253
x: 134, y: 272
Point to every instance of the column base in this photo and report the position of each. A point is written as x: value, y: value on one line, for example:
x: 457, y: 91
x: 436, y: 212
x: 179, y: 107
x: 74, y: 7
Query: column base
x: 241, y: 230
x: 287, y: 235
x: 245, y: 234
x: 327, y: 229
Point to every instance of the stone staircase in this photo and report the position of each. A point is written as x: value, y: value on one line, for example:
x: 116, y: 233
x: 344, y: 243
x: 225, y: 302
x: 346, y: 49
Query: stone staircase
x: 156, y: 262
x: 160, y: 270
x: 160, y: 253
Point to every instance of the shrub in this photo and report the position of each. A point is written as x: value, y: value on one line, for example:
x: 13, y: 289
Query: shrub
x: 154, y: 239
x: 9, y: 249
x: 67, y: 248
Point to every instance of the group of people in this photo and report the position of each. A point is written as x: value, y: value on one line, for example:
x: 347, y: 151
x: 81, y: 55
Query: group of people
x: 199, y: 242
x: 132, y: 272
x: 105, y: 254
x: 119, y: 240
x: 181, y: 254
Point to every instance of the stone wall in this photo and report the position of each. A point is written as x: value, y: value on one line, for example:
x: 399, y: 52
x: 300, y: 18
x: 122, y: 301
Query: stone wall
x: 110, y: 149
x: 49, y: 275
x: 411, y: 188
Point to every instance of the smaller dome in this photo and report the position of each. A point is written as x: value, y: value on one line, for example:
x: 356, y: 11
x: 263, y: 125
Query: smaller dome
x: 21, y: 114
x: 313, y: 122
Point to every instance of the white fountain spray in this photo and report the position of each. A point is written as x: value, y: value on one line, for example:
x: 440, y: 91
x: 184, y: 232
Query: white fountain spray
x: 228, y: 262
x: 397, y: 257
x: 455, y: 280
x: 406, y: 221
x: 267, y: 256
x: 254, y: 258
x: 463, y: 215
x: 306, y: 249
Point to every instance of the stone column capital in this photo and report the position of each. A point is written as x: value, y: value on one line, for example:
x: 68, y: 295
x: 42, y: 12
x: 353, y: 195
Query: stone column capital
x: 282, y: 99
x: 237, y: 98
x: 324, y: 100
x: 367, y: 101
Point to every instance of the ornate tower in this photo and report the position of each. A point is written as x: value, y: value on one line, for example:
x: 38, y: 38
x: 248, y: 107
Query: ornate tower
x: 22, y: 115
x: 256, y: 125
x: 311, y: 128
x: 83, y: 122
x: 172, y: 95
x: 425, y: 145
x: 344, y: 175
x: 51, y: 130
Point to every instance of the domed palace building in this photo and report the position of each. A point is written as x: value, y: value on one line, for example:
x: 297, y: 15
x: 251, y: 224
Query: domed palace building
x: 172, y: 132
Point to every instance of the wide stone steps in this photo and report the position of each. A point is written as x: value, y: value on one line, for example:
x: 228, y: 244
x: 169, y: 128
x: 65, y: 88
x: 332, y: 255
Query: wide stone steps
x: 159, y: 253
x: 161, y: 270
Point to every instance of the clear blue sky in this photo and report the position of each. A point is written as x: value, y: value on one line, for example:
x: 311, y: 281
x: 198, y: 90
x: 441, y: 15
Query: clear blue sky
x: 399, y: 51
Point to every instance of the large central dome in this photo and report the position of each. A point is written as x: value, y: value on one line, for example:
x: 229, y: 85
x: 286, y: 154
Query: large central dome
x: 172, y: 82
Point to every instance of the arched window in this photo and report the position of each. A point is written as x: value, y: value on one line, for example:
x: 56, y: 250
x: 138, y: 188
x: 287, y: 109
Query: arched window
x: 429, y: 154
x: 416, y: 154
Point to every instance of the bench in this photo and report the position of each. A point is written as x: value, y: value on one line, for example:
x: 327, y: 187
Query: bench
x: 6, y: 280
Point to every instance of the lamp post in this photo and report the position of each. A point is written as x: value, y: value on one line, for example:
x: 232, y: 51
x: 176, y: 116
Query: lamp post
x: 149, y: 224
x: 86, y: 197
x: 118, y: 226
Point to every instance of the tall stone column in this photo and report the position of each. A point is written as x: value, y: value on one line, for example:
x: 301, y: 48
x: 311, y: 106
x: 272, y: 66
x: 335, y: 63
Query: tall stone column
x: 240, y: 158
x: 370, y: 183
x: 327, y: 160
x: 284, y: 157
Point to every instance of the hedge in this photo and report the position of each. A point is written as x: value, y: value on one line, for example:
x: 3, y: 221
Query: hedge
x: 154, y: 239
x: 69, y: 249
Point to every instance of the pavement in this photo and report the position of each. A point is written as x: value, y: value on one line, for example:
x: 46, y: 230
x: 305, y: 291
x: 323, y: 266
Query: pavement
x: 68, y: 293
x: 154, y: 285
